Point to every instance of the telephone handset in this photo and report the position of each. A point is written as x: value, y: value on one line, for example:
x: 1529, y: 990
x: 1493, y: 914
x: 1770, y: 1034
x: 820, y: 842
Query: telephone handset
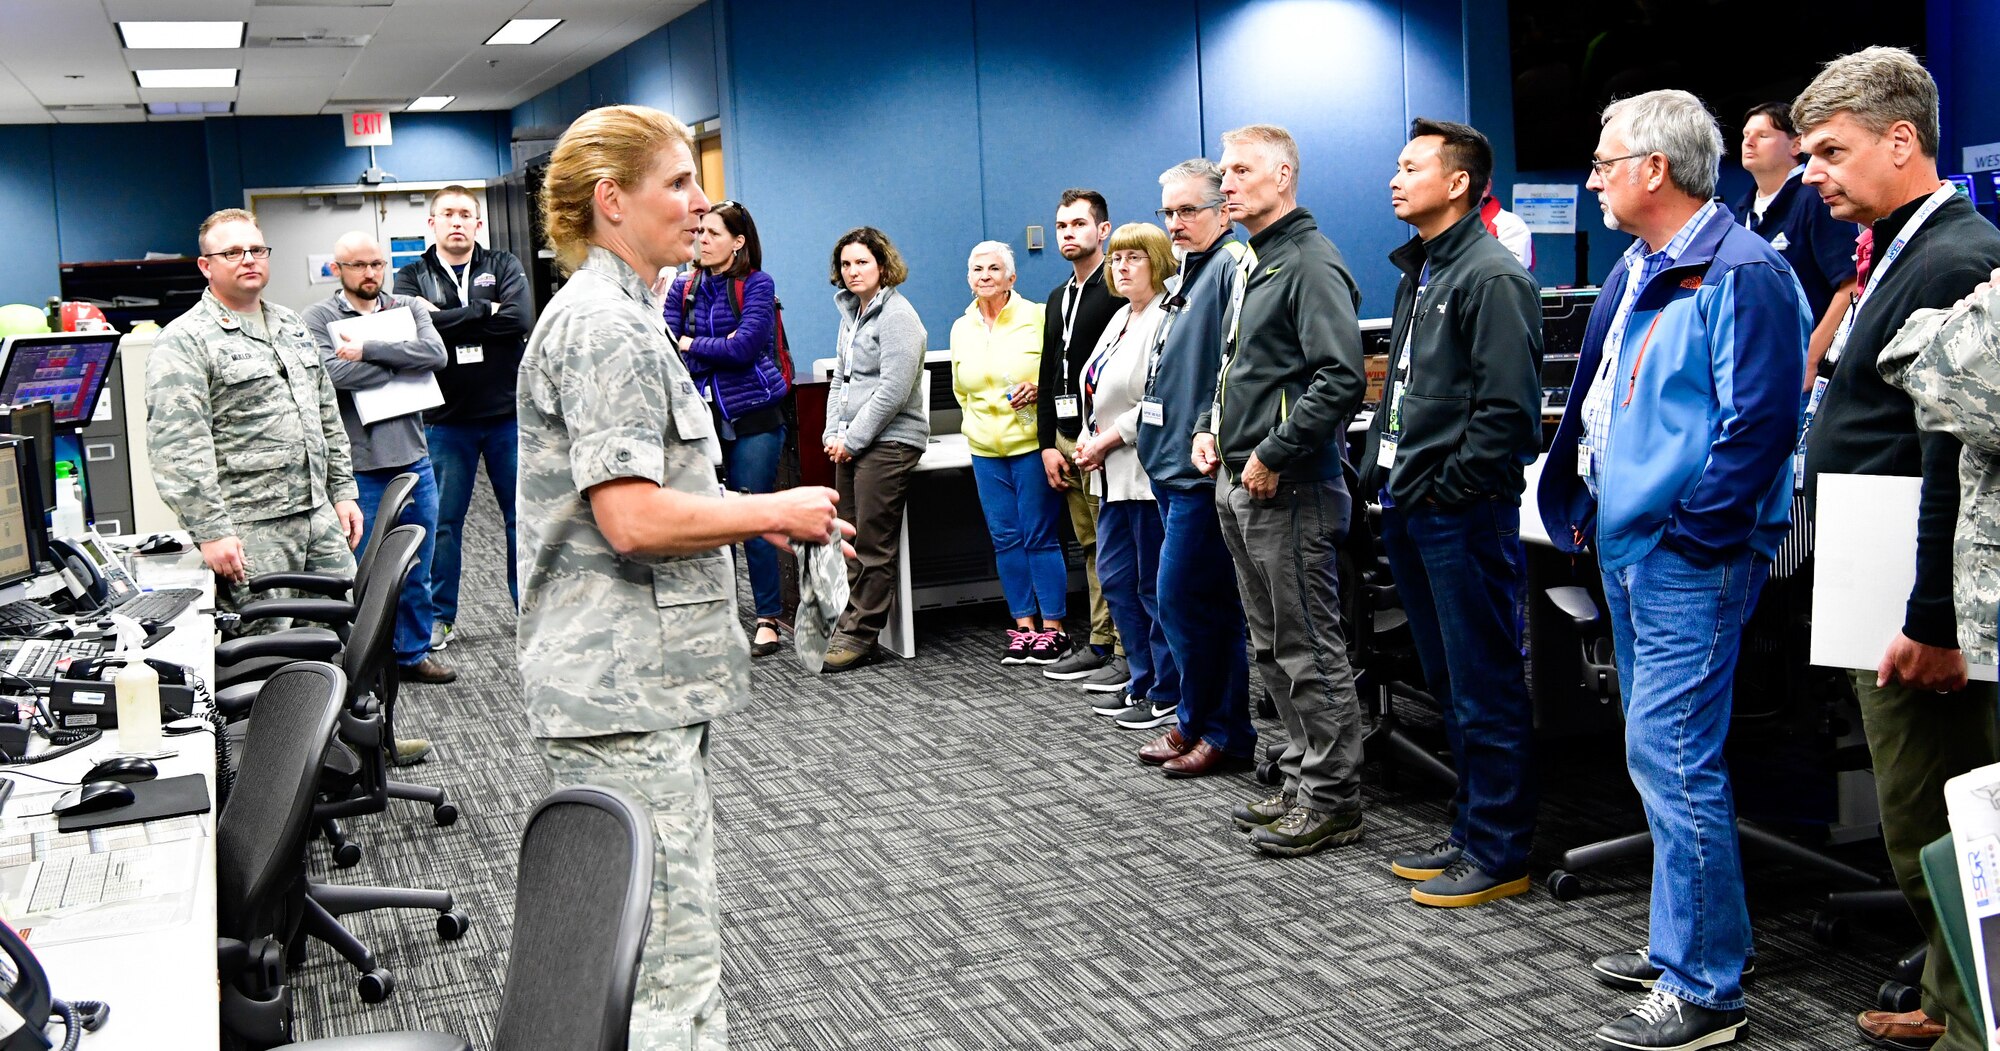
x: 95, y: 577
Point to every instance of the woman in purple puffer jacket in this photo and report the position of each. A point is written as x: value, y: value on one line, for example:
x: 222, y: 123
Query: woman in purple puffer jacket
x: 723, y: 317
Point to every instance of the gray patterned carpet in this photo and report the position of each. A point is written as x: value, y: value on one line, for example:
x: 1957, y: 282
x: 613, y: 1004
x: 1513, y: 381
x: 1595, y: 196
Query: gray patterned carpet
x: 945, y: 853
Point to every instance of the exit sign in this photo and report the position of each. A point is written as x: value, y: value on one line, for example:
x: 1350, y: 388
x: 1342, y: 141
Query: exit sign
x: 366, y: 129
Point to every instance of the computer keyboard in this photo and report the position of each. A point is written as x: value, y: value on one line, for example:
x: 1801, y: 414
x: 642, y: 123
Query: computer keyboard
x: 38, y: 660
x: 162, y: 605
x: 24, y: 617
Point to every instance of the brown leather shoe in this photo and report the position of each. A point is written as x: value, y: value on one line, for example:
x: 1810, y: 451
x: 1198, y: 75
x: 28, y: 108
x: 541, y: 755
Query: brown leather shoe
x: 1912, y: 1030
x: 1203, y: 760
x: 1169, y: 745
x: 427, y: 670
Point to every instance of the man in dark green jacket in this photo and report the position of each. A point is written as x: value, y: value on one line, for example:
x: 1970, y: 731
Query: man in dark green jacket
x: 1458, y: 422
x: 1291, y: 379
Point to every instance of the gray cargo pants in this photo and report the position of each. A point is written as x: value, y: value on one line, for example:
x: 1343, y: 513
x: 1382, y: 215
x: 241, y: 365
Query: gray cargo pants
x: 1284, y: 550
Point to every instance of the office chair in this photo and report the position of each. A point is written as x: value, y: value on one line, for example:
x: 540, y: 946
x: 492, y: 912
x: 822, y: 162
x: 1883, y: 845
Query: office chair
x: 327, y: 615
x: 354, y: 778
x: 582, y: 906
x: 1600, y: 678
x: 260, y: 849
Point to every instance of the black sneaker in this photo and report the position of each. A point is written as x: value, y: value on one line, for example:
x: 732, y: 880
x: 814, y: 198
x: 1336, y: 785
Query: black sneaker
x: 1465, y: 883
x: 1665, y: 1022
x: 1428, y: 862
x: 1113, y: 676
x: 1252, y: 816
x: 1145, y: 715
x: 1304, y: 830
x: 1019, y: 642
x: 1085, y: 660
x: 1048, y: 647
x: 1113, y: 703
x: 1634, y: 970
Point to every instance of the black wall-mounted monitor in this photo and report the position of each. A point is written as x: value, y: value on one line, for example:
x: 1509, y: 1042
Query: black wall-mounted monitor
x: 67, y: 369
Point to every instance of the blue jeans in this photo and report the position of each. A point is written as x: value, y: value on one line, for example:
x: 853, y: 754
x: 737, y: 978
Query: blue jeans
x: 1129, y: 535
x: 456, y: 449
x: 1460, y: 575
x: 752, y: 463
x: 1677, y: 627
x: 1201, y: 614
x: 414, y: 615
x: 1021, y: 512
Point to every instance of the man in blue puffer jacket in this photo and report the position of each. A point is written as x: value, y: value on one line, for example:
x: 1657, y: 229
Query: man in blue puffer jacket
x: 1674, y: 461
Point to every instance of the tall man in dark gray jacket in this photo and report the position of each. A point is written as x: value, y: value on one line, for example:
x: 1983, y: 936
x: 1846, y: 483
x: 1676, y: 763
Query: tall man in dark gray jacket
x: 1291, y: 378
x: 1458, y: 422
x: 388, y: 447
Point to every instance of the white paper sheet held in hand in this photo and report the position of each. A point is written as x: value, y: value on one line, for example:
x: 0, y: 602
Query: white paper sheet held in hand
x: 406, y: 392
x: 1865, y: 542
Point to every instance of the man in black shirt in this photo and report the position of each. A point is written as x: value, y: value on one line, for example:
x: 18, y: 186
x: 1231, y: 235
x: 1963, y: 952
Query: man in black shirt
x: 1078, y: 309
x: 481, y: 305
x: 1870, y: 127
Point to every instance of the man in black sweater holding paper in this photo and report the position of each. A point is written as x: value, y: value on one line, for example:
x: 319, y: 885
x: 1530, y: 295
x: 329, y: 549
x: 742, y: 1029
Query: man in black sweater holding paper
x: 1870, y: 126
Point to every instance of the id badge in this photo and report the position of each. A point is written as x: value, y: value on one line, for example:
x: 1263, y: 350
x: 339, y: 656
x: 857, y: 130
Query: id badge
x: 471, y: 354
x: 1583, y: 459
x: 1068, y: 407
x: 1152, y: 413
x: 1385, y: 456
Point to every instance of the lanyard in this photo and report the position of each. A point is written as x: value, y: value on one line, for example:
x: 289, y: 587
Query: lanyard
x: 462, y: 282
x: 1405, y: 363
x: 1072, y: 298
x: 1095, y: 366
x: 1933, y: 203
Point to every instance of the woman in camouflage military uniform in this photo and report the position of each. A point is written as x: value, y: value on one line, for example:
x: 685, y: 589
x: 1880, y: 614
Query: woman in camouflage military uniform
x: 629, y: 642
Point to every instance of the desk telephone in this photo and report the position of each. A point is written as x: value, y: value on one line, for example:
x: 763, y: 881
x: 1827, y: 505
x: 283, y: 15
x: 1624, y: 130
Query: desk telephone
x: 96, y: 579
x: 27, y: 1006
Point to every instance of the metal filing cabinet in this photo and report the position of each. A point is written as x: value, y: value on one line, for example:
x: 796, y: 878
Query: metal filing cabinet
x: 107, y: 460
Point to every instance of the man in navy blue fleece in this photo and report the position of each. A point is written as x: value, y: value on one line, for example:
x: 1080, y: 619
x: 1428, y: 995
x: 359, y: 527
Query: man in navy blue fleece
x: 1674, y: 462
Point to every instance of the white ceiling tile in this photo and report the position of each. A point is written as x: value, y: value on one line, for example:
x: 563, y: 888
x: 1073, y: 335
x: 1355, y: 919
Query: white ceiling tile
x: 298, y: 61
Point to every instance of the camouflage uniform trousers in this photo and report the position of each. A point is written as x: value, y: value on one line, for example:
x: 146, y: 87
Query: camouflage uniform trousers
x: 311, y: 541
x: 677, y: 1003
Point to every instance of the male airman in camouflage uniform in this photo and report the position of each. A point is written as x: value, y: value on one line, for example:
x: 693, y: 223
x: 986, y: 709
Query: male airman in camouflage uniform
x: 242, y: 425
x: 625, y: 659
x: 1949, y: 362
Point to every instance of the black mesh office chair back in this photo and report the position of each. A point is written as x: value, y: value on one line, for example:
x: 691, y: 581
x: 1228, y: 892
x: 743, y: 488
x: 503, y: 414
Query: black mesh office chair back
x: 380, y: 591
x: 261, y: 833
x: 581, y: 910
x: 397, y: 497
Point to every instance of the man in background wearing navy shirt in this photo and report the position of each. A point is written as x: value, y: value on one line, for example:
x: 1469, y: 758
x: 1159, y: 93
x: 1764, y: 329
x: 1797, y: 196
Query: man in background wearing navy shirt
x: 1798, y: 224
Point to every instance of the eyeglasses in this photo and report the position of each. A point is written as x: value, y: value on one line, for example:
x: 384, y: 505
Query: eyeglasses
x: 376, y: 265
x: 235, y: 255
x: 1603, y: 166
x: 1185, y: 214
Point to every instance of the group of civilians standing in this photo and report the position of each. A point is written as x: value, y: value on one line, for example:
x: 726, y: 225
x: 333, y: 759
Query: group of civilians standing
x: 1197, y: 432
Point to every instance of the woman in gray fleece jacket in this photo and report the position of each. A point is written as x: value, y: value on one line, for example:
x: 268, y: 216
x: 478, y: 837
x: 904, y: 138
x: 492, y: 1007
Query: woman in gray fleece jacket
x: 876, y: 428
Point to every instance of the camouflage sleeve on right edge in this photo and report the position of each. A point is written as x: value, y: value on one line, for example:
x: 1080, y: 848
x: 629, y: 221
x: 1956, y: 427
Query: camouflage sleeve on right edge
x: 1949, y: 362
x: 180, y: 438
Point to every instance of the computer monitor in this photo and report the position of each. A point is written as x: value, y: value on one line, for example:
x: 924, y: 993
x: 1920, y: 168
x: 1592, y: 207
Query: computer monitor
x: 23, y: 524
x: 68, y: 369
x: 38, y: 421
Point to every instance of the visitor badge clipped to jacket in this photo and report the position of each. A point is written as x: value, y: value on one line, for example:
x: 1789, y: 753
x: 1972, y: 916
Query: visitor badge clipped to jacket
x: 1152, y: 413
x: 470, y: 353
x: 1068, y: 407
x: 1386, y: 455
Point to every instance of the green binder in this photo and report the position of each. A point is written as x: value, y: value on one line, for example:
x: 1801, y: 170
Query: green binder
x: 1940, y: 863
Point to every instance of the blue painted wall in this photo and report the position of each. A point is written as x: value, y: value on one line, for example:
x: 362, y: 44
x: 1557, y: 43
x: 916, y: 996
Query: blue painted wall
x: 967, y: 122
x: 1964, y: 36
x: 77, y: 192
x: 673, y: 68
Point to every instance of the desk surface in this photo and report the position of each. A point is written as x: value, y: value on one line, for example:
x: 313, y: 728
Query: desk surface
x: 161, y: 984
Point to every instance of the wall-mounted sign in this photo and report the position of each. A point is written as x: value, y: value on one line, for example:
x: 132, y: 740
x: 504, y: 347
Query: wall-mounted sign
x: 1982, y: 158
x: 366, y: 129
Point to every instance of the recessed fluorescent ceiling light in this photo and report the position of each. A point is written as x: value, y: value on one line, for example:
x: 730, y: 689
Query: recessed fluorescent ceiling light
x: 171, y: 109
x: 523, y: 30
x: 181, y: 34
x: 430, y: 102
x: 186, y: 78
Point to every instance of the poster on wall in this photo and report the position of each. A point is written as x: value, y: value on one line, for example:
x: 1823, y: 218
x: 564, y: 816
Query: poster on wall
x: 320, y: 270
x: 1547, y: 207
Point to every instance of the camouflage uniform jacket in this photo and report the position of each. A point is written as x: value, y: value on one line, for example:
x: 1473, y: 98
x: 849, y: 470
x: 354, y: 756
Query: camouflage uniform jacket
x: 610, y: 644
x: 241, y: 424
x: 1949, y: 361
